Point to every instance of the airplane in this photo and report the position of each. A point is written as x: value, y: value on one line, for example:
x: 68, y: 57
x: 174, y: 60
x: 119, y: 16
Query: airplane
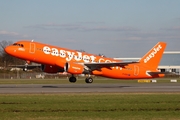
x: 55, y: 59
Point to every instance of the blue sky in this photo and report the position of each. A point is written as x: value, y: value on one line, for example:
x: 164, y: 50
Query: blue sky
x: 116, y: 28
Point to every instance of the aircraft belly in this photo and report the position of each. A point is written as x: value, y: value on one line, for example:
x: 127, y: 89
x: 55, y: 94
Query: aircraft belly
x: 117, y: 74
x: 122, y: 74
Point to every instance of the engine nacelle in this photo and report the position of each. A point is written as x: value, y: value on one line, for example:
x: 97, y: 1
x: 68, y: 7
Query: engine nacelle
x: 51, y: 69
x: 74, y: 68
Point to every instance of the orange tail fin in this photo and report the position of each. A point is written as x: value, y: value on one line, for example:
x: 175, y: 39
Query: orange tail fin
x: 153, y: 57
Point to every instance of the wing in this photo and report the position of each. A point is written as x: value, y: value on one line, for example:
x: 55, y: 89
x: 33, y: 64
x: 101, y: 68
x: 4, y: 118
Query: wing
x: 98, y: 66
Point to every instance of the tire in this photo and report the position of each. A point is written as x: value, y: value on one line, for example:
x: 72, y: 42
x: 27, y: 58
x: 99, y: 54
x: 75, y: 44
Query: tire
x: 72, y: 79
x: 89, y: 80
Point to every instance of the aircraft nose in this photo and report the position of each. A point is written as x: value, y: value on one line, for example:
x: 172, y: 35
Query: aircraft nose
x: 8, y: 50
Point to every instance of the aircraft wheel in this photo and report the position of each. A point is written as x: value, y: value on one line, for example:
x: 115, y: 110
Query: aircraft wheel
x: 89, y: 80
x: 72, y: 79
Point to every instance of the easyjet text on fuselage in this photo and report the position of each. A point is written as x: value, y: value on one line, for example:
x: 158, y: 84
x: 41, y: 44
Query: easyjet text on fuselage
x: 77, y: 56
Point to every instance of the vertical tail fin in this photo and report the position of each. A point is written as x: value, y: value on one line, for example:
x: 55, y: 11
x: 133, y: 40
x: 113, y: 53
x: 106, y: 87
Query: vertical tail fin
x: 153, y: 57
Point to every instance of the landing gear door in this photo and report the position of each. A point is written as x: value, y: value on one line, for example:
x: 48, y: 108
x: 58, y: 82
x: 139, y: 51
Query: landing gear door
x: 32, y: 48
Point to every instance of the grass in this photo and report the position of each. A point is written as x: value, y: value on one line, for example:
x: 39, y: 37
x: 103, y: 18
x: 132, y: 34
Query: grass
x: 90, y: 106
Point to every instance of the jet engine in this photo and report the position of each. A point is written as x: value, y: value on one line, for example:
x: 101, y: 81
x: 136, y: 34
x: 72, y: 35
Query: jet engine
x: 74, y: 68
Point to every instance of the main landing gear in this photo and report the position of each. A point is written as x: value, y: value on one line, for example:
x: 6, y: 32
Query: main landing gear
x: 88, y: 80
x: 73, y: 79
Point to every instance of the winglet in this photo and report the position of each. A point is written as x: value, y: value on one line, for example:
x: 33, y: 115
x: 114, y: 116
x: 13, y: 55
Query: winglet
x: 153, y: 57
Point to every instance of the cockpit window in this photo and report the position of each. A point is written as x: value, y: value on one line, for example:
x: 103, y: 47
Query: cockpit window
x: 17, y: 44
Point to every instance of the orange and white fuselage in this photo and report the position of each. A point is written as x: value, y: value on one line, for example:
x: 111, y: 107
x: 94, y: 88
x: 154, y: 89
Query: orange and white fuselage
x: 76, y: 62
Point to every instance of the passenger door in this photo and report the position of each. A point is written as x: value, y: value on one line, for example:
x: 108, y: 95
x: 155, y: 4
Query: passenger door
x: 32, y: 48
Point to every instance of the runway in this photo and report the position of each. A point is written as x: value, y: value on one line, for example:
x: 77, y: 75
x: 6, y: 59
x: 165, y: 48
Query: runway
x: 90, y: 88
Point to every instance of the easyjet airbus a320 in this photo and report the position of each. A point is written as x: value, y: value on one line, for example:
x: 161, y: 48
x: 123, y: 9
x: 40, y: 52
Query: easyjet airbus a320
x: 55, y: 59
